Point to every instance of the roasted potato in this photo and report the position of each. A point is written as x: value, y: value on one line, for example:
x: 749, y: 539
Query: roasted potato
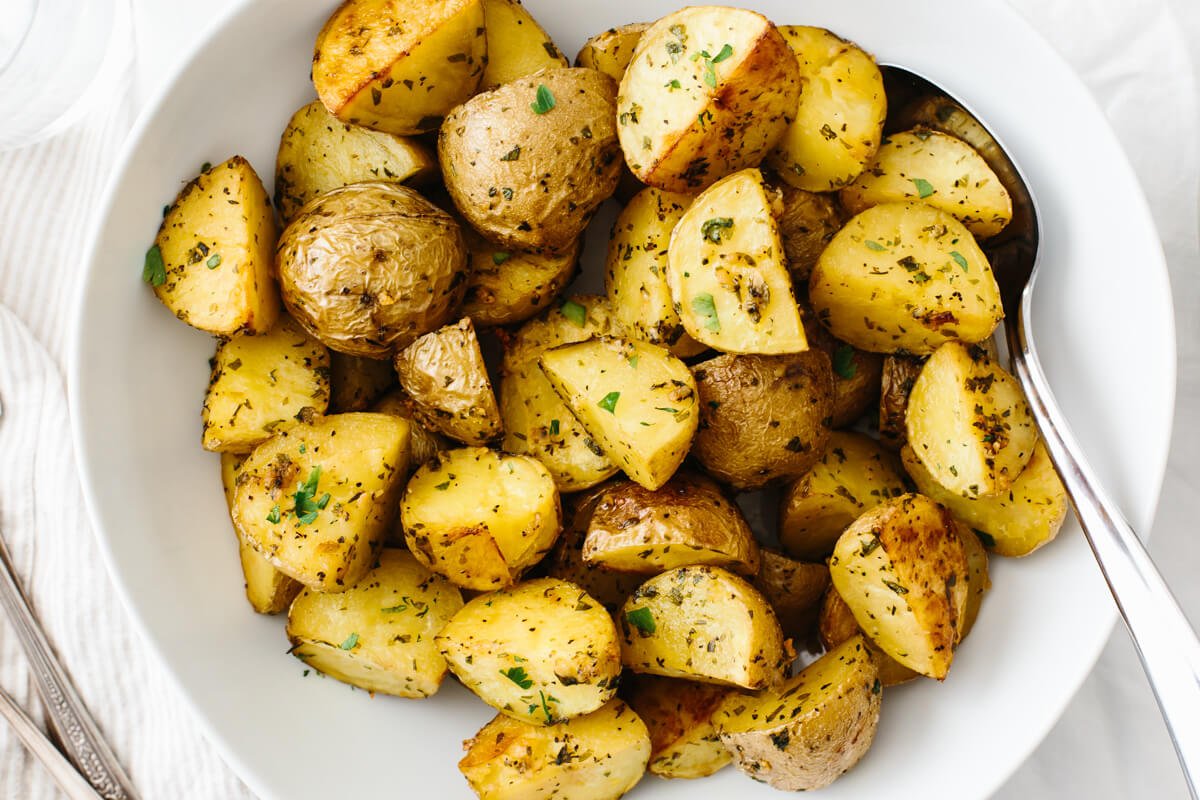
x: 536, y: 421
x: 635, y: 271
x: 636, y: 399
x: 897, y: 377
x: 379, y: 634
x: 211, y: 260
x: 370, y: 267
x: 806, y: 733
x: 856, y: 374
x: 1014, y: 522
x: 479, y: 517
x: 836, y: 624
x: 807, y: 224
x: 319, y: 152
x: 444, y: 374
x: 566, y: 562
x: 905, y: 276
x: 687, y: 520
x: 529, y: 163
x: 705, y: 624
x: 838, y: 119
x: 979, y: 581
x: 794, y: 589
x: 710, y: 91
x: 853, y: 475
x: 763, y: 419
x: 319, y: 497
x: 543, y: 651
x: 902, y: 569
x: 939, y: 169
x: 516, y: 44
x: 611, y: 51
x: 356, y: 383
x: 599, y: 756
x: 424, y: 444
x: 260, y: 382
x: 399, y: 67
x: 968, y: 422
x: 508, y: 286
x: 727, y: 274
x: 678, y: 714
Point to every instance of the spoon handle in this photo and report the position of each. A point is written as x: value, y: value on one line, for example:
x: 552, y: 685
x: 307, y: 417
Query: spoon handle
x: 1166, y: 643
x: 70, y: 781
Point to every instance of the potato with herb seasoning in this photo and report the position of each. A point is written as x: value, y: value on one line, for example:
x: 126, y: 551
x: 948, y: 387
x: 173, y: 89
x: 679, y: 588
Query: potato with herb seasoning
x: 687, y: 520
x: 611, y: 51
x: 399, y: 67
x: 599, y: 756
x: 261, y: 382
x: 516, y: 44
x: 678, y: 714
x: 379, y: 634
x: 424, y: 444
x: 807, y: 224
x: 704, y: 624
x: 836, y: 624
x: 856, y: 373
x: 479, y: 517
x: 794, y: 590
x: 543, y: 651
x: 211, y: 262
x: 566, y: 561
x: 763, y: 419
x: 897, y: 377
x: 319, y: 497
x: 355, y: 383
x: 509, y: 286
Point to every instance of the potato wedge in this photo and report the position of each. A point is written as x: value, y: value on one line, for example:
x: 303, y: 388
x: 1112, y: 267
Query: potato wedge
x: 710, y: 90
x: 212, y: 260
x: 424, y: 445
x: 903, y: 570
x: 727, y: 274
x: 836, y: 624
x: 806, y: 226
x: 543, y: 651
x: 509, y: 286
x: 1014, y: 522
x: 516, y: 44
x: 979, y: 581
x: 444, y: 374
x: 319, y: 498
x: 853, y: 476
x: 479, y: 517
x: 839, y: 116
x: 399, y: 67
x: 319, y: 152
x: 611, y: 51
x: 636, y: 399
x: 806, y: 733
x: 897, y: 377
x: 939, y: 169
x: 794, y: 589
x: 704, y: 624
x: 688, y: 520
x: 260, y: 382
x: 599, y: 756
x: 635, y: 271
x: 856, y: 374
x: 678, y: 714
x: 356, y: 383
x: 763, y: 419
x: 566, y: 562
x: 379, y: 634
x: 905, y: 276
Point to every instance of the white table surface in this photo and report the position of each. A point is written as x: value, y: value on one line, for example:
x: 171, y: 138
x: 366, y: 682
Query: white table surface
x: 1110, y: 743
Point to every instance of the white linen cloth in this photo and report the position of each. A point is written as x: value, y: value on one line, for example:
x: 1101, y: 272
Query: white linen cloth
x: 1133, y: 55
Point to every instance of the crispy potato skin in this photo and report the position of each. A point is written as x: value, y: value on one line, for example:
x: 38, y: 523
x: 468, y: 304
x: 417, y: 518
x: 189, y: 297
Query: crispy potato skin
x: 763, y: 419
x: 898, y: 374
x: 611, y: 51
x: 794, y: 589
x: 688, y: 520
x: 678, y: 715
x: 268, y: 590
x: 566, y: 561
x: 528, y: 180
x: 836, y: 624
x: 856, y: 373
x: 507, y: 287
x: 516, y: 44
x: 807, y: 224
x: 424, y: 444
x: 370, y: 267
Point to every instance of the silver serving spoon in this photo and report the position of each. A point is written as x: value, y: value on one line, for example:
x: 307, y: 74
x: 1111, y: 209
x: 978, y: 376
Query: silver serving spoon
x: 1165, y: 641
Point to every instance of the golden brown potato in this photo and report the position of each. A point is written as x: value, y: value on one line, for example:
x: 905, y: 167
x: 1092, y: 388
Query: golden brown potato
x: 599, y: 756
x: 370, y: 267
x: 794, y: 589
x: 529, y: 163
x: 836, y: 624
x: 726, y: 269
x: 897, y: 377
x: 479, y: 517
x: 678, y: 714
x: 611, y: 51
x: 444, y: 374
x: 688, y: 520
x: 424, y: 444
x: 516, y: 44
x: 566, y: 562
x: 379, y: 634
x: 705, y: 624
x: 508, y: 286
x: 355, y: 383
x: 856, y: 374
x: 806, y: 225
x: 211, y: 261
x: 968, y: 422
x: 806, y: 733
x: 763, y: 419
x: 905, y: 276
x: 635, y: 399
x: 399, y: 67
x: 853, y: 475
x: 978, y: 579
x: 903, y: 571
x: 710, y: 90
x: 260, y: 382
x: 319, y: 152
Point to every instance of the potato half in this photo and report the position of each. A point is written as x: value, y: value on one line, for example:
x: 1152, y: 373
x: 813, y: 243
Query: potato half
x: 807, y: 224
x: 856, y: 373
x: 566, y: 561
x: 268, y: 590
x: 509, y: 286
x: 611, y: 51
x: 516, y: 44
x: 424, y: 444
x: 678, y: 714
x: 794, y: 589
x: 897, y: 376
x: 836, y: 624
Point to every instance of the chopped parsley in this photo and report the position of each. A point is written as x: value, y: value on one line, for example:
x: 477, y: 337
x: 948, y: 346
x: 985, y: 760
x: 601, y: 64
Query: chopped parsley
x: 958, y: 259
x: 712, y: 229
x: 306, y: 508
x: 350, y: 643
x: 512, y: 155
x: 710, y: 74
x: 706, y: 308
x: 633, y: 362
x: 499, y: 257
x: 924, y: 187
x: 517, y: 675
x: 574, y: 312
x: 554, y: 427
x: 876, y: 246
x: 273, y: 517
x: 673, y: 84
x: 441, y: 487
x: 609, y: 402
x: 214, y: 261
x: 895, y: 587
x: 544, y: 102
x: 642, y: 619
x: 843, y: 362
x: 154, y: 271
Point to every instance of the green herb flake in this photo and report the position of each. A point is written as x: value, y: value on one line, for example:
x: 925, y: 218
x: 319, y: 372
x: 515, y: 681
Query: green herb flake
x: 517, y: 675
x: 500, y: 257
x: 214, y: 261
x: 350, y: 643
x: 712, y: 229
x: 574, y: 312
x: 544, y: 102
x: 394, y: 609
x: 895, y: 587
x: 512, y: 155
x: 633, y: 362
x: 668, y: 410
x: 843, y: 362
x: 441, y: 487
x: 642, y: 619
x: 305, y: 507
x: 554, y: 427
x: 988, y: 540
x: 154, y: 271
x: 706, y: 308
x: 725, y: 53
x: 924, y: 187
x: 609, y: 402
x: 877, y: 687
x: 873, y: 245
x: 674, y: 84
x: 274, y: 517
x: 959, y: 259
x: 205, y: 167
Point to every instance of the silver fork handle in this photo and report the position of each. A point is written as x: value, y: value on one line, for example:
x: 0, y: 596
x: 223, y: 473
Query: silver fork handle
x: 69, y: 718
x: 70, y: 781
x: 1166, y: 643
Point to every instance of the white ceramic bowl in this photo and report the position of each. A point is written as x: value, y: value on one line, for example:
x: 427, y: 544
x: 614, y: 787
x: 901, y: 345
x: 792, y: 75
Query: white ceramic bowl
x: 1103, y: 321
